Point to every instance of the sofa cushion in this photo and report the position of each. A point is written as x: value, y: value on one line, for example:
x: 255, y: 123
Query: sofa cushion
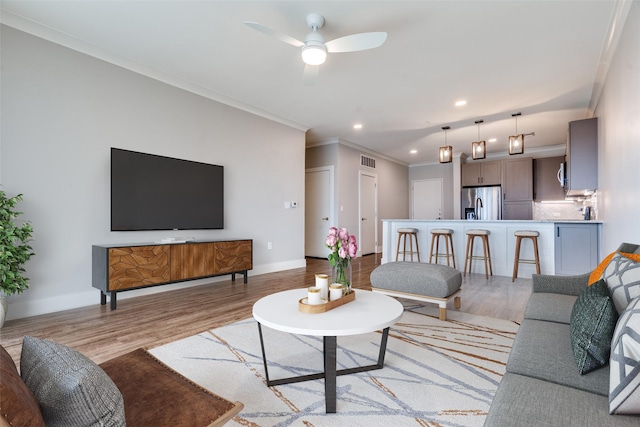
x: 593, y: 320
x: 624, y: 393
x: 71, y: 389
x: 550, y: 306
x: 543, y: 350
x: 623, y: 279
x: 19, y: 405
x: 527, y: 402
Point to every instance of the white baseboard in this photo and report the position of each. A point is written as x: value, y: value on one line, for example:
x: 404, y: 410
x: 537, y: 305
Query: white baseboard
x: 26, y: 307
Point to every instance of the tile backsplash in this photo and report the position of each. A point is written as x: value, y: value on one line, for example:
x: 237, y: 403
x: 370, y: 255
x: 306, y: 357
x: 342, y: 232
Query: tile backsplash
x: 566, y: 209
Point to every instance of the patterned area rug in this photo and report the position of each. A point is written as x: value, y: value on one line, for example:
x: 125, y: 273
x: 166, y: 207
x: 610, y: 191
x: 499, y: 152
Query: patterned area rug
x: 436, y: 373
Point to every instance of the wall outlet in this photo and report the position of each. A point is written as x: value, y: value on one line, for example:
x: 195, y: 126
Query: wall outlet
x: 294, y: 204
x: 269, y: 246
x: 287, y: 205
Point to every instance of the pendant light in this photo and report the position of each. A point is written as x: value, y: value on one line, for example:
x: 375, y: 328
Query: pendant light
x: 516, y: 142
x: 479, y: 148
x: 446, y: 152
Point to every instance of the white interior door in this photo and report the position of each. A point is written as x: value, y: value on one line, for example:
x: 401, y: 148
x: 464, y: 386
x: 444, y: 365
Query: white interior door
x: 426, y: 199
x: 318, y: 210
x: 368, y: 213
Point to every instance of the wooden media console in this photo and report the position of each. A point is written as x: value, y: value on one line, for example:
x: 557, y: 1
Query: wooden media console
x: 117, y: 268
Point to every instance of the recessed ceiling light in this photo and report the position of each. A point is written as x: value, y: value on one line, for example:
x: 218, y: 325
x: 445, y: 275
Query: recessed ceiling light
x: 413, y: 151
x: 357, y: 126
x: 493, y: 140
x: 461, y: 103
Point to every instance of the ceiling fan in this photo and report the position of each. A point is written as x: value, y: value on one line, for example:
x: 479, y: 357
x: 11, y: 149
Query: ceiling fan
x: 314, y: 49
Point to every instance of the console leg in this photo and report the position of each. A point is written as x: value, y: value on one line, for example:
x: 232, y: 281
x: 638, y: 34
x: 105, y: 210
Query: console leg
x: 245, y: 273
x: 233, y: 277
x: 103, y: 298
x: 113, y: 300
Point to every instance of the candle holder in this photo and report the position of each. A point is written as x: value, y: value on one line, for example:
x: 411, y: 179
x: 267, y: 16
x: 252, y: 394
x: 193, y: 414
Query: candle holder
x: 322, y: 282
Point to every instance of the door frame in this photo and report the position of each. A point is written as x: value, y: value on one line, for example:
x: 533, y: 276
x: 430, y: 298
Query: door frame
x: 375, y: 208
x: 332, y: 192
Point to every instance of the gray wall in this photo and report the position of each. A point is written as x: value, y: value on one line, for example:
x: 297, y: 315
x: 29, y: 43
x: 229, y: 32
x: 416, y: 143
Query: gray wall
x: 393, y: 184
x: 63, y: 110
x: 619, y: 141
x: 434, y: 171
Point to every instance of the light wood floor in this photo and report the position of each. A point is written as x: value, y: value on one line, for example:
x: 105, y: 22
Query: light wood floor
x: 147, y: 321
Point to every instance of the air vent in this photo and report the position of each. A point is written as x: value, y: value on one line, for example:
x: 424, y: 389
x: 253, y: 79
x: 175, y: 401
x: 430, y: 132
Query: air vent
x: 367, y: 161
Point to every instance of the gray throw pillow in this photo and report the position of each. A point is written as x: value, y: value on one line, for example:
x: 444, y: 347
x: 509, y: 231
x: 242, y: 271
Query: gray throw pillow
x: 70, y: 388
x: 593, y: 320
x: 624, y: 384
x: 623, y: 279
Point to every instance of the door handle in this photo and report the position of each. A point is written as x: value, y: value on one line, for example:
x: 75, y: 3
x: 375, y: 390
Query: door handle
x: 326, y: 218
x: 364, y: 219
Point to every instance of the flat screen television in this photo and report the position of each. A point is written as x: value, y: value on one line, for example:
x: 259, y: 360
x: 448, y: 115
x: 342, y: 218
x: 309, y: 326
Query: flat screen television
x: 150, y: 192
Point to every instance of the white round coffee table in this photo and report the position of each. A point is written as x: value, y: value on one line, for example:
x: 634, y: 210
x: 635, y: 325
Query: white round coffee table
x: 369, y: 312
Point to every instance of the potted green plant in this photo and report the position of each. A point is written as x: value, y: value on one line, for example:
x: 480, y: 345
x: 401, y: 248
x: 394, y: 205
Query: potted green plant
x: 14, y: 251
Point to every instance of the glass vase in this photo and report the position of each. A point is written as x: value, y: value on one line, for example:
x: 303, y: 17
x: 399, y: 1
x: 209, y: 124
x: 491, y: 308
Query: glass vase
x: 341, y: 273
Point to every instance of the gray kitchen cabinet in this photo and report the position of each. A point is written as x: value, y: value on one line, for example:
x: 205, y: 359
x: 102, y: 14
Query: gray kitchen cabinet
x: 481, y: 174
x: 517, y: 182
x: 582, y: 157
x: 517, y: 189
x: 576, y: 248
x: 546, y: 185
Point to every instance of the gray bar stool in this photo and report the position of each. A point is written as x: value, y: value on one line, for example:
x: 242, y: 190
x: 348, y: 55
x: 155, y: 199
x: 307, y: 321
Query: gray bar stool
x: 525, y: 234
x: 402, y: 235
x: 436, y: 233
x: 484, y: 235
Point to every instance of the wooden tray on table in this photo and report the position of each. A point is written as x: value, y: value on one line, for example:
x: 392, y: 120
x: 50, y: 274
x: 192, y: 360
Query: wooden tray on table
x: 324, y: 307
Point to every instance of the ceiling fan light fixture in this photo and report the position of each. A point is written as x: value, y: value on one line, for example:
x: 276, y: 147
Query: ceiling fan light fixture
x: 314, y: 50
x: 314, y: 54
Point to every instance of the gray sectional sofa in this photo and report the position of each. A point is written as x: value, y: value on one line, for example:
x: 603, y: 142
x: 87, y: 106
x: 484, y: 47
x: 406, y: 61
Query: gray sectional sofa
x: 542, y: 385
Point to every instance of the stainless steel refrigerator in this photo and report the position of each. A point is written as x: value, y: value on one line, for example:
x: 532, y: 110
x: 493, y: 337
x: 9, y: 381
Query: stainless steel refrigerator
x: 481, y: 203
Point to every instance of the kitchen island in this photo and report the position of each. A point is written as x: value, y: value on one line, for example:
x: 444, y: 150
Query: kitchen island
x: 565, y: 247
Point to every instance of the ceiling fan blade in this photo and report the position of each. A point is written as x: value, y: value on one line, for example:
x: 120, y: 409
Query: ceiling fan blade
x: 268, y: 31
x: 310, y: 74
x: 356, y: 42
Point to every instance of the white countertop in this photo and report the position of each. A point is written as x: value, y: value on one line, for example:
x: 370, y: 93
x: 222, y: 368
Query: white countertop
x: 501, y: 240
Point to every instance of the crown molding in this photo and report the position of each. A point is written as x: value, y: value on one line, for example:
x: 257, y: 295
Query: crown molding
x: 616, y: 26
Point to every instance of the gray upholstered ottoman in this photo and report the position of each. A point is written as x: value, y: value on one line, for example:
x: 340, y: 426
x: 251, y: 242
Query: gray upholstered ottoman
x: 433, y: 283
